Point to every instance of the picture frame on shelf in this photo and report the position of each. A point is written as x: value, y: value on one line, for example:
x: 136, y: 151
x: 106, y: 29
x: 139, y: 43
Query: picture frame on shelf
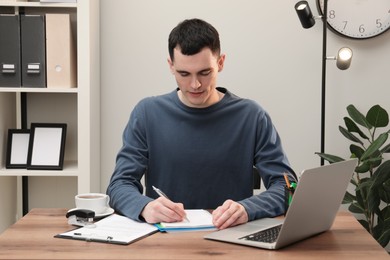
x: 17, y: 148
x: 46, y: 146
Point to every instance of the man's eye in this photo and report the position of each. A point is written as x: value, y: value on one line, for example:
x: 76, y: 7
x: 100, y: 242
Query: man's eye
x: 184, y: 74
x: 205, y: 73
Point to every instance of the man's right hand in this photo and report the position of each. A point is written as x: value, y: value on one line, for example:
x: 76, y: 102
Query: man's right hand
x: 163, y: 210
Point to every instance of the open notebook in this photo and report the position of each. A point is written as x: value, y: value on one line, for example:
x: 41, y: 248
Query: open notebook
x: 198, y: 219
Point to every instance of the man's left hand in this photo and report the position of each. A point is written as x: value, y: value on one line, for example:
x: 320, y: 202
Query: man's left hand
x: 230, y: 214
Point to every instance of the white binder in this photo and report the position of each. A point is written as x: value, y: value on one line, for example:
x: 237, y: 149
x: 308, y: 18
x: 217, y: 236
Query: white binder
x: 61, y: 65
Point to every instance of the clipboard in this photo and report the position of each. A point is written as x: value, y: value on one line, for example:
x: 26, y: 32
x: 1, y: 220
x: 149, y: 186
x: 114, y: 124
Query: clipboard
x: 114, y: 229
x: 108, y: 239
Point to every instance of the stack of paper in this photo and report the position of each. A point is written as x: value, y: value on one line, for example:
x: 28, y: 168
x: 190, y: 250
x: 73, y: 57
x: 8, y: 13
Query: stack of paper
x: 198, y: 219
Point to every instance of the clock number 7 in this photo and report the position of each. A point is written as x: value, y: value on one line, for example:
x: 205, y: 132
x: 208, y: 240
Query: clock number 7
x: 345, y: 24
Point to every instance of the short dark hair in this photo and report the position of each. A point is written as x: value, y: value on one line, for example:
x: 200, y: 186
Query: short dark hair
x: 192, y: 35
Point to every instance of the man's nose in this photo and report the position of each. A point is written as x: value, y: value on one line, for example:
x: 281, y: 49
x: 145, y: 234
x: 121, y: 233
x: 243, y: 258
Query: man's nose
x: 195, y: 83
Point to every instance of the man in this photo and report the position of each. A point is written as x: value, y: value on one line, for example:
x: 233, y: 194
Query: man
x: 198, y: 144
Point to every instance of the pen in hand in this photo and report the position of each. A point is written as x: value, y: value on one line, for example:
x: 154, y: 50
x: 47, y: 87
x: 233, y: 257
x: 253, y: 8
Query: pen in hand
x: 162, y: 194
x: 159, y: 192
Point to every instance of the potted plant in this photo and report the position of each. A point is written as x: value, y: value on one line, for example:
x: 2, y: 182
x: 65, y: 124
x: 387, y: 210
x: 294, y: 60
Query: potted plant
x: 371, y: 178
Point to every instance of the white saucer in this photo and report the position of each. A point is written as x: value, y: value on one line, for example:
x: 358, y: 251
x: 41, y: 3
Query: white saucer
x: 108, y: 212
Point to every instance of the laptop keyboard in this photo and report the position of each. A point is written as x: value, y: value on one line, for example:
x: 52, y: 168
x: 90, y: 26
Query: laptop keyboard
x: 267, y: 236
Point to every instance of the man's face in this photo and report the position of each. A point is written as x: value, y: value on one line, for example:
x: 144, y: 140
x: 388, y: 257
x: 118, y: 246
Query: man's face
x: 196, y: 76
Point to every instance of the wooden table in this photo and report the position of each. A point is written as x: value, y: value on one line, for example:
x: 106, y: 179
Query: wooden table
x: 32, y: 238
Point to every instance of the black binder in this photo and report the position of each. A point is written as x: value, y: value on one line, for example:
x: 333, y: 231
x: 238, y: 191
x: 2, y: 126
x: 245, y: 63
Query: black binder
x: 33, y: 50
x: 10, y: 75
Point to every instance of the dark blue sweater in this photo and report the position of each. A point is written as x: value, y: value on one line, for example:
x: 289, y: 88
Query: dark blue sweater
x: 199, y: 156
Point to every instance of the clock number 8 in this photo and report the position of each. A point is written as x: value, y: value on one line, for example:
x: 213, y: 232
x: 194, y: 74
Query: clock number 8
x: 332, y: 14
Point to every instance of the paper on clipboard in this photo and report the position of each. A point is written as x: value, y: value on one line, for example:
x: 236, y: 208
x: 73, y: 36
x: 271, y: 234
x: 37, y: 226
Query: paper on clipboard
x: 113, y: 229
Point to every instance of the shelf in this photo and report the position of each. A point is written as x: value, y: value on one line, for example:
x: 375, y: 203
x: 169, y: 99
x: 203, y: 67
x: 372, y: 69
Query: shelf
x: 39, y: 90
x: 70, y: 169
x: 38, y: 4
x: 78, y: 106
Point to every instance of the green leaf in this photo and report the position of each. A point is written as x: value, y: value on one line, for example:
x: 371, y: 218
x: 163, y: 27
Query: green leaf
x: 381, y: 175
x: 383, y: 184
x: 384, y: 196
x: 382, y: 233
x: 373, y: 201
x: 361, y: 192
x: 364, y: 223
x: 374, y: 146
x: 386, y: 186
x: 352, y: 127
x: 356, y: 208
x: 348, y: 198
x: 358, y: 117
x: 330, y: 158
x: 349, y: 136
x: 368, y: 165
x: 386, y: 213
x: 377, y: 230
x: 386, y: 149
x: 375, y: 162
x: 354, y: 182
x: 377, y: 116
x: 356, y: 150
x: 364, y: 167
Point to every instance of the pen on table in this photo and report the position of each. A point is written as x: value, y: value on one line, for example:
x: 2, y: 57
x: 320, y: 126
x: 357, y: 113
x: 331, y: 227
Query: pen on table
x: 162, y: 194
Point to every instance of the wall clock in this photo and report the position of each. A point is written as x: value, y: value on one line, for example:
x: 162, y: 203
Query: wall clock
x: 357, y: 19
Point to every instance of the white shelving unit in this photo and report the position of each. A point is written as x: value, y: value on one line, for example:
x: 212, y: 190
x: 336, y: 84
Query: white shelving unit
x: 78, y: 107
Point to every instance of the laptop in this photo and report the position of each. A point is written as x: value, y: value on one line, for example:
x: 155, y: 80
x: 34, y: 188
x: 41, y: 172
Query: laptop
x: 313, y: 209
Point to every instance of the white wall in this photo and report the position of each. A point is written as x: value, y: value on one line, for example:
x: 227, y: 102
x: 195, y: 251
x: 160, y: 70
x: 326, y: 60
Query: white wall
x: 270, y: 58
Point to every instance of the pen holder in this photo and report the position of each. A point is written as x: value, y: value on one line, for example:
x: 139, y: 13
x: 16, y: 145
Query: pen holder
x: 288, y: 195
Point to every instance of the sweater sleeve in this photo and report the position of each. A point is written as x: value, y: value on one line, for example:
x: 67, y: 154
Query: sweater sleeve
x: 125, y: 188
x: 272, y: 163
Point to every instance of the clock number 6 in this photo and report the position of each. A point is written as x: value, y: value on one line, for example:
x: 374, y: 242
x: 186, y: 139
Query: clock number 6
x: 361, y: 28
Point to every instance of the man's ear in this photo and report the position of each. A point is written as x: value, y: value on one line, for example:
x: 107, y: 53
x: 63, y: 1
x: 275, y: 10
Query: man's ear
x: 221, y: 62
x: 170, y: 63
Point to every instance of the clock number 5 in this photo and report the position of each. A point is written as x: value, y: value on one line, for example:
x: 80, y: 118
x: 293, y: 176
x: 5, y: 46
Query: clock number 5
x: 378, y: 23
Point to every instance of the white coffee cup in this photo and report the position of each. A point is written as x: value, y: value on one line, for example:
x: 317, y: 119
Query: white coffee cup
x: 97, y: 202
